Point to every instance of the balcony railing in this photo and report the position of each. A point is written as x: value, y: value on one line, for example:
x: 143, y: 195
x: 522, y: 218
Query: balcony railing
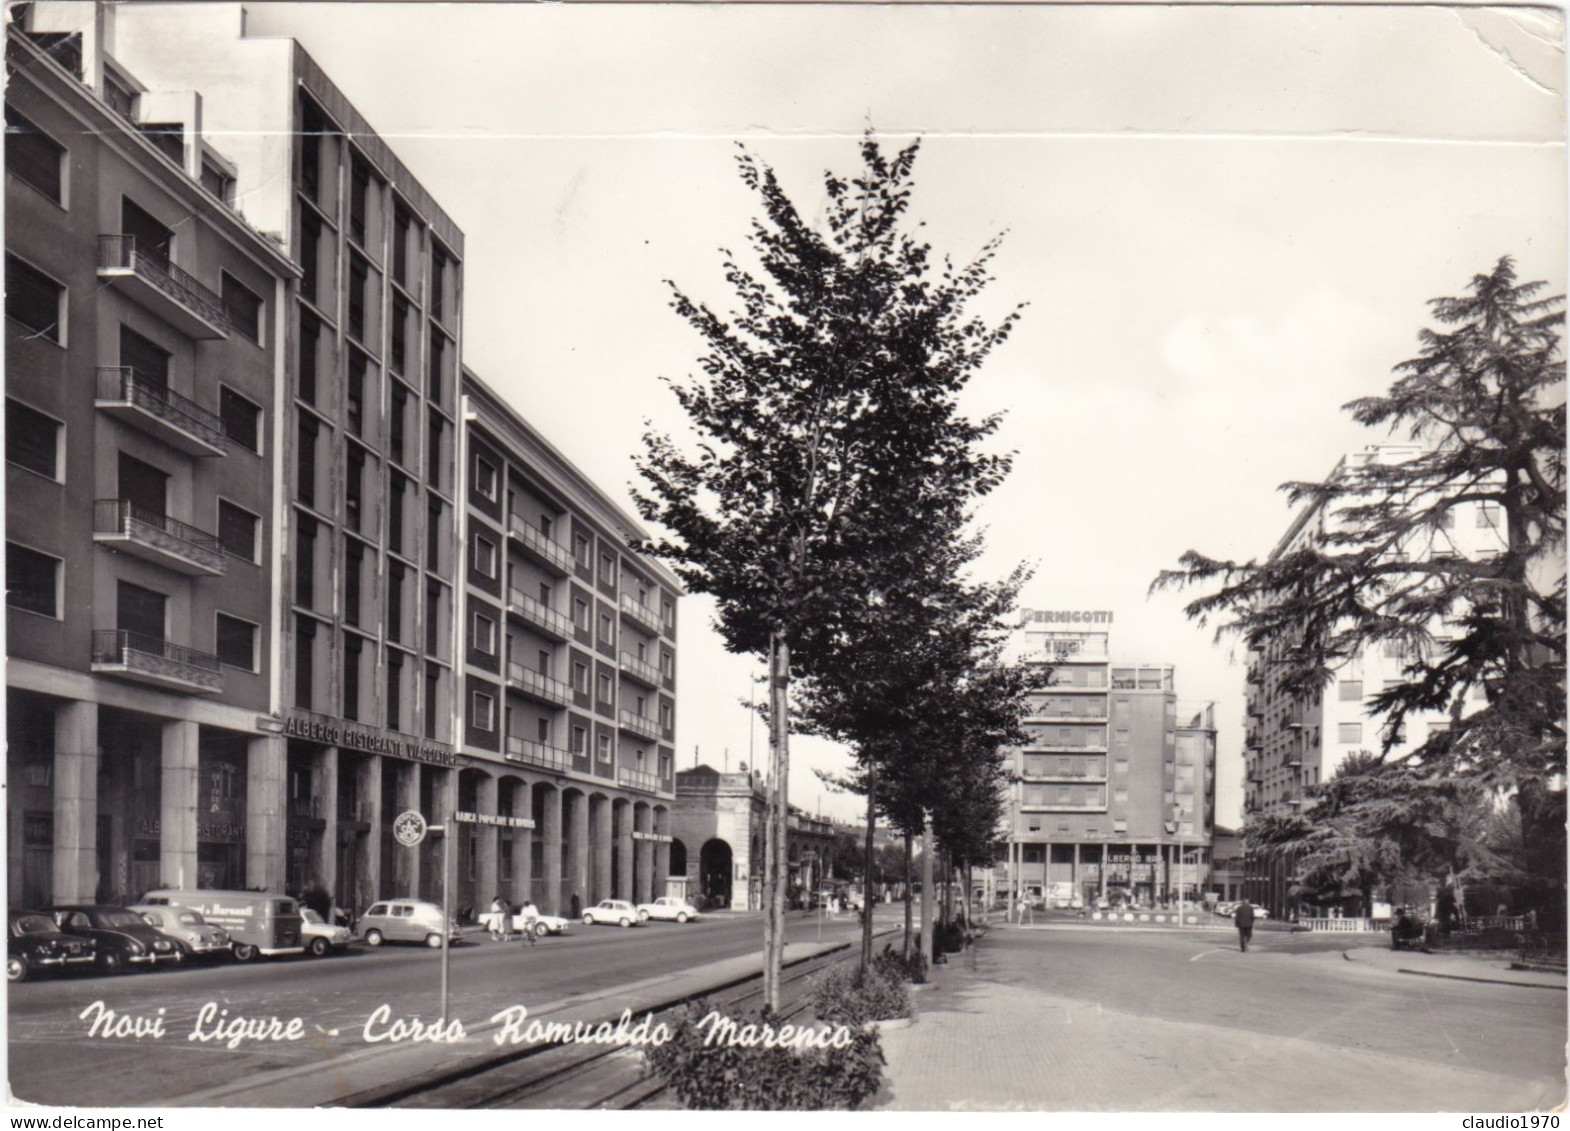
x: 534, y: 612
x: 540, y: 686
x: 638, y: 779
x: 1065, y: 775
x: 640, y: 725
x: 538, y: 754
x: 547, y: 551
x: 640, y: 670
x: 640, y: 614
x: 203, y: 310
x: 157, y: 537
x: 148, y: 404
x: 123, y: 652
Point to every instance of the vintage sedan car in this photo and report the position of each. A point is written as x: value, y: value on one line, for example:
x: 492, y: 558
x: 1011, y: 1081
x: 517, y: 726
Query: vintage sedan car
x: 195, y: 936
x: 406, y: 920
x: 124, y: 938
x: 35, y: 942
x: 669, y: 908
x: 615, y: 912
x: 543, y: 925
x: 321, y: 937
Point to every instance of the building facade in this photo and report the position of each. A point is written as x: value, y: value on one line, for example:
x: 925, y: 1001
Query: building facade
x: 442, y: 613
x: 1114, y: 793
x: 1293, y: 742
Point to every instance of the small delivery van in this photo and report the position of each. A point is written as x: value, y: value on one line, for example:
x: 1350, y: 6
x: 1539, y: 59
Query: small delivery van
x: 260, y: 923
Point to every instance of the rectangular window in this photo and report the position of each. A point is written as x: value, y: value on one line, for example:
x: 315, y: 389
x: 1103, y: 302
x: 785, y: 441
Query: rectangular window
x: 394, y: 626
x: 1488, y: 515
x: 218, y: 182
x: 236, y: 642
x: 438, y: 284
x: 394, y: 690
x: 604, y: 747
x: 310, y: 258
x: 32, y: 440
x: 542, y: 731
x: 434, y: 376
x: 242, y: 419
x: 581, y: 550
x: 580, y: 740
x: 396, y: 490
x: 359, y: 193
x: 355, y: 393
x: 580, y: 614
x: 398, y: 407
x: 305, y: 563
x: 607, y: 629
x: 433, y: 452
x: 353, y: 487
x: 237, y: 530
x: 353, y: 648
x: 244, y: 308
x: 607, y: 567
x: 433, y: 607
x: 397, y: 347
x: 484, y: 636
x: 580, y: 678
x: 305, y: 462
x: 304, y: 661
x: 401, y: 225
x: 32, y: 580
x: 433, y: 677
x: 433, y: 535
x: 310, y: 337
x: 606, y: 690
x: 34, y: 301
x: 1351, y: 690
x: 1349, y: 732
x: 148, y: 238
x: 482, y: 711
x: 353, y: 572
x: 485, y: 478
x: 485, y: 556
x: 33, y: 157
x: 359, y: 280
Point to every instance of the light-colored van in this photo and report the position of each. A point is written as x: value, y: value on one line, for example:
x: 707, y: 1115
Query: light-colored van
x: 260, y: 923
x: 405, y: 920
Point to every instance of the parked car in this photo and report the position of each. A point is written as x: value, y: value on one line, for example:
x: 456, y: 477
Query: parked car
x: 195, y: 936
x: 259, y: 923
x: 123, y: 936
x: 406, y: 920
x: 321, y: 937
x: 617, y: 912
x: 36, y: 942
x: 669, y: 907
x: 544, y: 925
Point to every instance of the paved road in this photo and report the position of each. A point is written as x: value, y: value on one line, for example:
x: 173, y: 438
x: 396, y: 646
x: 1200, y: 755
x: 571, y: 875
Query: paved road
x: 1106, y: 1020
x: 54, y: 1060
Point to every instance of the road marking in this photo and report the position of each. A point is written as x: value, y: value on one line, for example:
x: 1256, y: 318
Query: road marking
x: 1217, y: 950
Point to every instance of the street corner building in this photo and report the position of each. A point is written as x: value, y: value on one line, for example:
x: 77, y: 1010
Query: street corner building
x: 1114, y: 792
x: 278, y: 565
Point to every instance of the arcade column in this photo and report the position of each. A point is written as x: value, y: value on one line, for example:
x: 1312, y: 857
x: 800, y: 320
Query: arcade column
x: 75, y: 878
x: 178, y: 766
x: 266, y: 815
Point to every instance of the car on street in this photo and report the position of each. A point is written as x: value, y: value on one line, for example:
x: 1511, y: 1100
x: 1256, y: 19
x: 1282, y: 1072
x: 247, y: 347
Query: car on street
x: 35, y: 942
x: 406, y: 920
x: 124, y: 938
x: 321, y: 937
x: 670, y: 909
x: 544, y: 925
x: 615, y: 912
x: 195, y: 936
x: 260, y: 924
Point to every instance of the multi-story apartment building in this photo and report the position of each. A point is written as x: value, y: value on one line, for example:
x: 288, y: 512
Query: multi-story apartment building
x: 1114, y: 794
x: 1292, y: 742
x: 368, y: 695
x: 144, y: 335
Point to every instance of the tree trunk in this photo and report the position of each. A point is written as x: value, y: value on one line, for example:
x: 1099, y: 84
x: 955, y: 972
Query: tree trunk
x: 866, y: 878
x: 908, y: 902
x: 928, y: 919
x: 779, y: 710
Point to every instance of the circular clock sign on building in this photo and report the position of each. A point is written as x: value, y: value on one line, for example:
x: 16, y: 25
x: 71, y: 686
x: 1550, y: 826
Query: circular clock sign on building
x: 409, y: 828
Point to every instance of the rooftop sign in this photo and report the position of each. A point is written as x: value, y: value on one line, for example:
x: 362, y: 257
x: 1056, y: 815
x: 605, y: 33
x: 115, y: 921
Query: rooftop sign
x: 1071, y: 616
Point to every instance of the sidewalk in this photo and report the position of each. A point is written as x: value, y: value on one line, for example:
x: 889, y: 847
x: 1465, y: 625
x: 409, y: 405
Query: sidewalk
x: 981, y: 1041
x: 1463, y: 967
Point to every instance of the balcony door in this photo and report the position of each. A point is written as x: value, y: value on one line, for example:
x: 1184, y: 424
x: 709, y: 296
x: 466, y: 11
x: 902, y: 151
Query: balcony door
x: 145, y: 359
x: 143, y: 486
x: 153, y: 240
x: 140, y: 610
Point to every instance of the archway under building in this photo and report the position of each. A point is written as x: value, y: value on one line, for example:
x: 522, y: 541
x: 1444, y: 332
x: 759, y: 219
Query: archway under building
x: 714, y: 873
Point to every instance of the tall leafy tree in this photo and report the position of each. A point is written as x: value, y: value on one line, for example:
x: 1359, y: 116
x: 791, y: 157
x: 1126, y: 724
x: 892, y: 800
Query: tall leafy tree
x: 1484, y: 635
x: 828, y: 435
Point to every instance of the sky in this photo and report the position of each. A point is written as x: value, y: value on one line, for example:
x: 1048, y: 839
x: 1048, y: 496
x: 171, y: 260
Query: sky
x: 1225, y: 222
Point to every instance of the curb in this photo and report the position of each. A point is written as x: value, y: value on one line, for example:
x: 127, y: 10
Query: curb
x: 1347, y: 954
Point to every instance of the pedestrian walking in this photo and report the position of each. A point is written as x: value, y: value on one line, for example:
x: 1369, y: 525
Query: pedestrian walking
x: 1243, y: 919
x: 501, y: 919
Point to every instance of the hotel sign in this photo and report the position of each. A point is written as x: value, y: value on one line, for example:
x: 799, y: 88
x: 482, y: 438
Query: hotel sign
x: 359, y: 738
x: 1069, y: 616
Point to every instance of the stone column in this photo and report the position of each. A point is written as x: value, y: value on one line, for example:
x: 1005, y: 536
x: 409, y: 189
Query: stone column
x: 602, y: 817
x: 662, y: 852
x: 372, y: 800
x: 576, y: 882
x: 177, y: 813
x: 643, y: 857
x: 522, y: 844
x: 324, y: 803
x: 1078, y: 893
x: 406, y: 861
x: 626, y: 854
x: 75, y: 878
x: 1103, y: 869
x: 444, y: 799
x: 487, y: 838
x: 266, y: 812
x: 550, y: 849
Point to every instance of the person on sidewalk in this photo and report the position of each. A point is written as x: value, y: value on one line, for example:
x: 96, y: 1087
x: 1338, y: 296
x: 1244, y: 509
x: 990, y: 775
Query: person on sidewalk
x: 1243, y: 919
x: 501, y: 920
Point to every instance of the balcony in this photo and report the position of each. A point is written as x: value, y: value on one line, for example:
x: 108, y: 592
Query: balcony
x: 639, y: 725
x: 156, y: 538
x: 144, y: 403
x: 146, y: 659
x: 1054, y: 807
x: 1056, y: 713
x: 535, y: 614
x: 543, y: 550
x: 638, y: 779
x: 640, y: 670
x: 1065, y: 775
x: 640, y: 614
x: 170, y: 293
x: 538, y: 754
x: 1043, y: 742
x: 537, y: 686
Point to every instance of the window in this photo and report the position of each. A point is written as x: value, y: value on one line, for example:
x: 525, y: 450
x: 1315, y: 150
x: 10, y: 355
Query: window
x: 1447, y: 521
x: 433, y: 452
x: 237, y: 528
x: 485, y: 556
x: 353, y: 648
x: 218, y: 182
x: 580, y: 677
x: 33, y: 157
x: 355, y: 392
x: 1349, y: 732
x: 1351, y: 690
x: 667, y: 664
x: 607, y: 567
x: 32, y: 440
x: 244, y: 308
x: 34, y: 301
x: 665, y: 716
x: 305, y: 563
x: 433, y: 607
x: 434, y: 376
x: 148, y: 238
x: 484, y: 634
x: 304, y: 661
x: 485, y: 478
x: 359, y: 279
x: 667, y: 613
x: 310, y: 257
x: 542, y: 730
x: 607, y: 629
x: 1488, y: 515
x: 353, y: 569
x: 580, y: 550
x: 242, y: 419
x: 580, y: 740
x: 433, y: 677
x: 438, y: 283
x: 604, y: 747
x: 310, y: 336
x: 482, y: 711
x: 606, y: 691
x: 398, y: 346
x: 401, y: 225
x: 396, y: 491
x: 580, y: 614
x: 394, y: 690
x: 394, y: 626
x: 305, y: 462
x: 433, y: 535
x: 353, y: 487
x: 32, y: 580
x: 397, y: 411
x: 359, y: 194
